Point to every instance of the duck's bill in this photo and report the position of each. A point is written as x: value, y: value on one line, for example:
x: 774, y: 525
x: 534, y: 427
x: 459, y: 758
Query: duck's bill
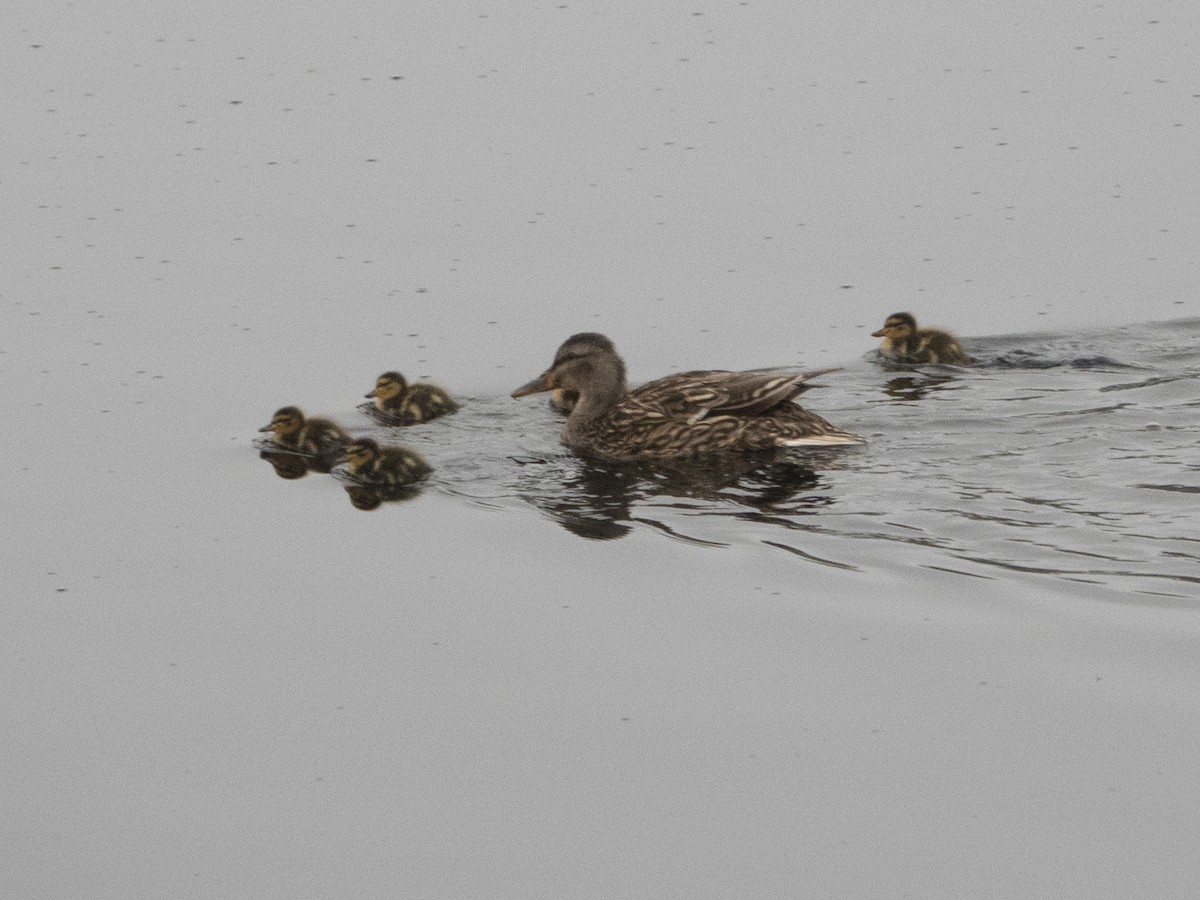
x: 265, y: 428
x: 370, y: 395
x: 543, y: 382
x: 879, y: 333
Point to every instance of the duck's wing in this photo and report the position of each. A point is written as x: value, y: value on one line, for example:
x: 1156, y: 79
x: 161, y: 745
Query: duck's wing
x: 324, y: 436
x: 946, y: 348
x: 696, y: 395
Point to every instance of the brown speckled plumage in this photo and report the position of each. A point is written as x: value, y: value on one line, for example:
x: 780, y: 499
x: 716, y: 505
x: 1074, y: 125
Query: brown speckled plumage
x: 385, y: 466
x: 904, y: 342
x: 407, y: 404
x: 319, y: 437
x: 680, y: 415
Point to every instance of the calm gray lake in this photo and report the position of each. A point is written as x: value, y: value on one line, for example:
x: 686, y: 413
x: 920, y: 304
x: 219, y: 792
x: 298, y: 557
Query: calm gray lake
x: 959, y: 661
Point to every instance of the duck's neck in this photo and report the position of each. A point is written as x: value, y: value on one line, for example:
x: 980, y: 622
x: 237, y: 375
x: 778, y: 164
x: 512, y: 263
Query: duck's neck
x: 604, y: 391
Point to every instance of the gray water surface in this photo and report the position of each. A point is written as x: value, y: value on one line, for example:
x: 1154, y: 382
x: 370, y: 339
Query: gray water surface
x: 957, y: 662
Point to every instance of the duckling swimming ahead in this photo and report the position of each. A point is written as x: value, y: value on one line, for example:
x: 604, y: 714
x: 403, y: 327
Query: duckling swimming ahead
x: 318, y: 437
x: 904, y: 342
x: 681, y: 415
x: 398, y: 402
x: 372, y: 464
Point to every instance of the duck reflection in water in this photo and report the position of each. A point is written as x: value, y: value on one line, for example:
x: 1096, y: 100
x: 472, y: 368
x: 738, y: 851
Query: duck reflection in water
x: 293, y: 464
x: 604, y: 500
x: 914, y: 387
x: 289, y: 466
x: 368, y: 497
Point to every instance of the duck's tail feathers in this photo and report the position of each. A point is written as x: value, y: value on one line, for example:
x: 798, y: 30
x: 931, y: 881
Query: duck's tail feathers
x: 841, y: 438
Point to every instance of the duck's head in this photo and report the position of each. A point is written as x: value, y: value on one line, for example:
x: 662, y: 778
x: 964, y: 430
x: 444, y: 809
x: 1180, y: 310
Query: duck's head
x: 360, y: 452
x: 388, y: 385
x: 286, y: 421
x: 585, y: 362
x: 897, y: 327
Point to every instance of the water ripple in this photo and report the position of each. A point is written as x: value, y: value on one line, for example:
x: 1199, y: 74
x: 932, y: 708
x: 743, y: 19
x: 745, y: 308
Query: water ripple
x: 1013, y: 469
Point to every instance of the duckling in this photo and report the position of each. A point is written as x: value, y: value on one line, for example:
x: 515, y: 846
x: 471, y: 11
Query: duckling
x: 681, y: 415
x: 385, y: 466
x: 903, y: 341
x: 397, y: 400
x: 318, y: 437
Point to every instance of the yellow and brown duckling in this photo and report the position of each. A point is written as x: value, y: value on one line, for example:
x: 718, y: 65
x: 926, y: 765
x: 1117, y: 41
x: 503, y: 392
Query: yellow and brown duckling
x: 682, y: 415
x: 319, y: 437
x: 371, y: 463
x: 398, y: 401
x: 904, y: 342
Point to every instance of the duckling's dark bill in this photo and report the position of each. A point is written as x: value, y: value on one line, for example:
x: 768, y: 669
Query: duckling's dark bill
x: 544, y: 382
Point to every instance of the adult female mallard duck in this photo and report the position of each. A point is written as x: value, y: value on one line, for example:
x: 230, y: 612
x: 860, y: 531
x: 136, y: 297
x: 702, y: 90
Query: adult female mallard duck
x: 681, y: 415
x: 373, y: 464
x: 904, y: 342
x: 317, y: 437
x: 407, y: 404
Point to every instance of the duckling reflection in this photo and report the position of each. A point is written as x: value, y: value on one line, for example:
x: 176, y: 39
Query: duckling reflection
x: 600, y: 500
x: 369, y: 497
x: 910, y: 388
x: 290, y: 466
x: 396, y: 402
